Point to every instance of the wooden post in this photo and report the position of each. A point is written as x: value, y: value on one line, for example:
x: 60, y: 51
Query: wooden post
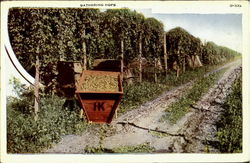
x: 178, y: 64
x: 140, y: 60
x: 122, y: 58
x: 122, y: 66
x: 84, y: 50
x: 36, y: 89
x: 184, y: 65
x: 178, y: 71
x: 155, y: 69
x: 165, y: 54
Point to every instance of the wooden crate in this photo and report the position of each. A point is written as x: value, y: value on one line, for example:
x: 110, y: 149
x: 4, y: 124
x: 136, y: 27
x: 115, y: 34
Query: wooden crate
x: 99, y: 107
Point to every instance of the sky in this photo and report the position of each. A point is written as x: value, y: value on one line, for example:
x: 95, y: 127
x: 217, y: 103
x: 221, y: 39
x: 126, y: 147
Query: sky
x: 223, y: 29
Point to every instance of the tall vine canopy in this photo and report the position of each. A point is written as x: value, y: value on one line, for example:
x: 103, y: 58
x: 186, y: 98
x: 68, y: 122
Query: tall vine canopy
x: 153, y: 38
x: 56, y: 34
x: 215, y: 54
x: 73, y: 34
x: 53, y: 35
x: 181, y: 44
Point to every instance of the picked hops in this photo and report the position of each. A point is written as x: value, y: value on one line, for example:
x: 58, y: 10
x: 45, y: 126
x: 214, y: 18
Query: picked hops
x: 100, y: 83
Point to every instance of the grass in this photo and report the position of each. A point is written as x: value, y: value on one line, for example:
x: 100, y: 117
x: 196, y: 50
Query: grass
x: 139, y: 93
x: 141, y: 148
x: 229, y: 127
x: 180, y: 108
x: 158, y: 134
x: 24, y: 135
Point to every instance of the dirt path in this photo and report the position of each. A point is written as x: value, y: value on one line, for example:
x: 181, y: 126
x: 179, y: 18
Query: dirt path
x: 206, y: 113
x: 142, y: 125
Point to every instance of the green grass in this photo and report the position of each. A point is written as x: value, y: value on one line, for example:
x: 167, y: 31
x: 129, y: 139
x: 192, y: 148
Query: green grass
x: 139, y: 93
x: 229, y: 127
x: 141, y: 148
x: 158, y: 134
x: 183, y: 105
x: 24, y: 135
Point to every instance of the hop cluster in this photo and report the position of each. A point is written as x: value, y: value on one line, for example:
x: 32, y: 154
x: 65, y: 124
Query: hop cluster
x: 100, y: 83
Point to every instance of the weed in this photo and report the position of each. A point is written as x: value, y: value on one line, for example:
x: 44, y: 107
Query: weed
x: 24, y: 135
x: 230, y: 126
x: 158, y: 134
x: 139, y: 93
x: 180, y: 108
x: 141, y: 148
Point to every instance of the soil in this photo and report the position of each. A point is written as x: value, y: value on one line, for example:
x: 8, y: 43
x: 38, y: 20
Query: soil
x: 193, y: 133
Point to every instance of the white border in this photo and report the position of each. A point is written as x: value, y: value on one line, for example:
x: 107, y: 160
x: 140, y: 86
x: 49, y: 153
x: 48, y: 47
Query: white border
x: 157, y: 6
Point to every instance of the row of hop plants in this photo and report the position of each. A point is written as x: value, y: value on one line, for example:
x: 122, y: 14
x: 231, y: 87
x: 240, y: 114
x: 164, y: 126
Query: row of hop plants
x: 80, y: 35
x: 182, y: 46
x: 86, y: 34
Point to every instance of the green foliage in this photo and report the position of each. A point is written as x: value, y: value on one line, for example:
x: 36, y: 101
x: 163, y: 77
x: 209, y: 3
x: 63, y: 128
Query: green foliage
x: 153, y: 38
x: 158, y: 134
x: 230, y: 126
x: 214, y: 54
x: 187, y: 76
x: 137, y: 94
x: 58, y: 34
x: 180, y: 45
x: 22, y: 99
x: 53, y: 35
x: 18, y: 87
x: 141, y: 148
x: 98, y: 149
x: 180, y: 108
x: 125, y: 25
x: 24, y: 135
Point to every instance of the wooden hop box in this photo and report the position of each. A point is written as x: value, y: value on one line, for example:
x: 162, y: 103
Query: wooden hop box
x: 99, y: 93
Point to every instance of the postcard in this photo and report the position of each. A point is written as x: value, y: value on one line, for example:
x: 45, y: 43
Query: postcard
x: 125, y: 81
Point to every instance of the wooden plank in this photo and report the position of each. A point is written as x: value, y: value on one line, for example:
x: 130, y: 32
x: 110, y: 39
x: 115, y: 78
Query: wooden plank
x: 114, y: 109
x: 98, y: 110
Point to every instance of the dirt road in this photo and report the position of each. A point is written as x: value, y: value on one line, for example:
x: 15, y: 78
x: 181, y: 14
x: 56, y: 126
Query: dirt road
x: 192, y: 133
